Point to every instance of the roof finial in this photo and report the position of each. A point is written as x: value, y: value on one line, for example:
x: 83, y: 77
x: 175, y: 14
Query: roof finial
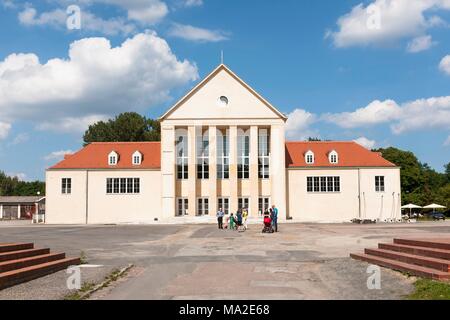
x: 221, y: 56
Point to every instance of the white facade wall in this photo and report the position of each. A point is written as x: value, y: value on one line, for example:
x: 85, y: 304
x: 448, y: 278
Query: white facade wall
x: 89, y: 187
x: 343, y: 206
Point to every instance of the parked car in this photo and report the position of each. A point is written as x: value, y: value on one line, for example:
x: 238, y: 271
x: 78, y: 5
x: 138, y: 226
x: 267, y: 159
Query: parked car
x: 438, y: 216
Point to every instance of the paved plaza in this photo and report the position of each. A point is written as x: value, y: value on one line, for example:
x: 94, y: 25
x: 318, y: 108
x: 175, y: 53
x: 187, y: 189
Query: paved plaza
x: 200, y: 262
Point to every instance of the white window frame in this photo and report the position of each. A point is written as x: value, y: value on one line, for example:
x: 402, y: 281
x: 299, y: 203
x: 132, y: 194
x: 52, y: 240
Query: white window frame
x: 223, y: 157
x: 263, y: 202
x: 224, y: 203
x: 113, y: 158
x: 202, y: 206
x: 242, y: 201
x: 182, y: 149
x: 184, y: 208
x: 263, y: 154
x: 137, y: 158
x: 309, y: 157
x: 243, y: 156
x: 323, y: 184
x: 333, y: 157
x: 123, y: 186
x: 203, y: 156
x: 380, y: 184
x: 66, y: 186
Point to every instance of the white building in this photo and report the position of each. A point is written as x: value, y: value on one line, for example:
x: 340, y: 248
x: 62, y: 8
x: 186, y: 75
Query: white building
x: 222, y: 145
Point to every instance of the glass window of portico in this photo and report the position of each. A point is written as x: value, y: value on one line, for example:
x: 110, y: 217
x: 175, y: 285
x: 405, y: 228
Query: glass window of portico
x: 243, y: 148
x: 203, y: 156
x: 263, y: 154
x: 223, y: 155
x: 182, y: 157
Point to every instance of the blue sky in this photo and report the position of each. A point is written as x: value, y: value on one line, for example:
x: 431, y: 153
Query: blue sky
x: 373, y: 71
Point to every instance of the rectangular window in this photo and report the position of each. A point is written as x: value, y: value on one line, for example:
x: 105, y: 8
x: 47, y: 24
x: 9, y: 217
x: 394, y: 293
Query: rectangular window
x: 379, y: 184
x: 203, y: 207
x: 223, y: 156
x: 323, y: 184
x: 66, y: 185
x: 263, y: 205
x: 224, y: 204
x: 243, y: 203
x: 263, y: 154
x: 182, y: 207
x: 182, y: 157
x: 109, y: 186
x: 203, y: 157
x: 243, y: 156
x: 309, y: 184
x: 123, y: 185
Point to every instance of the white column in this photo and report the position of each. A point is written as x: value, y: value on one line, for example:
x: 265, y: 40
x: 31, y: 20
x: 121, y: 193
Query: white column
x: 212, y: 170
x: 233, y: 170
x: 18, y: 211
x: 278, y: 169
x: 192, y: 179
x: 254, y: 175
x: 168, y: 171
x: 1, y: 211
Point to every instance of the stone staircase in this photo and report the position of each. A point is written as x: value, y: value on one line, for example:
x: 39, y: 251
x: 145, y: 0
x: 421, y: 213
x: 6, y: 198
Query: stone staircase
x: 427, y: 258
x: 21, y: 262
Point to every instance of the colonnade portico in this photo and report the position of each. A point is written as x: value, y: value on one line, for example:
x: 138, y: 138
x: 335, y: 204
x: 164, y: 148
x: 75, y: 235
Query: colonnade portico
x: 214, y: 187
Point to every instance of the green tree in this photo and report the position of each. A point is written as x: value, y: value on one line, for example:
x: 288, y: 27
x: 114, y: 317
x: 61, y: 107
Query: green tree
x: 11, y: 186
x: 126, y: 127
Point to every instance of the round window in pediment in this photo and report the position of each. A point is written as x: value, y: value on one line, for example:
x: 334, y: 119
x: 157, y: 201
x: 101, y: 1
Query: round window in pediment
x: 223, y: 101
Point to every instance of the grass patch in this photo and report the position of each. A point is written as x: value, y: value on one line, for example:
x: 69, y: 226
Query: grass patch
x: 86, y: 287
x: 430, y: 290
x: 83, y: 258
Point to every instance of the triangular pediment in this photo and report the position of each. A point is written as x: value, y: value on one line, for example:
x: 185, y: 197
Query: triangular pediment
x: 223, y: 95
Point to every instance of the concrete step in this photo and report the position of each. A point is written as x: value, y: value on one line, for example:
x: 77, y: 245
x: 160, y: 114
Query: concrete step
x: 7, y: 247
x: 420, y: 251
x: 416, y: 270
x: 30, y: 261
x: 434, y: 263
x: 14, y: 255
x: 428, y: 243
x: 13, y: 277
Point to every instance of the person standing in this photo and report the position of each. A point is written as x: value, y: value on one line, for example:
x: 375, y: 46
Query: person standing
x: 275, y: 217
x: 245, y: 218
x: 220, y: 215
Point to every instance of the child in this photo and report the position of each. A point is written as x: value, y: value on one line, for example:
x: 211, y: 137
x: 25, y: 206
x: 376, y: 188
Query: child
x: 231, y: 222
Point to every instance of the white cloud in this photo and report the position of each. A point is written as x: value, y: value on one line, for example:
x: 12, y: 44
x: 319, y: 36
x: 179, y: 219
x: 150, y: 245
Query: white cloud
x: 366, y: 143
x: 298, y: 124
x: 20, y: 138
x: 420, y: 44
x: 386, y: 21
x: 71, y: 124
x: 196, y: 34
x: 95, y: 81
x: 57, y: 155
x: 445, y: 64
x: 19, y: 175
x: 89, y: 22
x: 375, y: 113
x: 4, y: 129
x: 447, y: 142
x: 410, y: 116
x: 8, y: 4
x: 145, y: 11
x: 193, y: 3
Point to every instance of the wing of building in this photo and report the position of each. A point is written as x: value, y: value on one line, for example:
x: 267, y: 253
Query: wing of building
x: 222, y: 146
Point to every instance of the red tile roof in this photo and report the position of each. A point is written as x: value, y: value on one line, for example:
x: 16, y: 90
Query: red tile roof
x: 95, y: 156
x: 350, y: 154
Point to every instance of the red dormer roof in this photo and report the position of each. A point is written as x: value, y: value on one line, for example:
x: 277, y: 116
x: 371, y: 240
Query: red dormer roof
x: 350, y: 154
x: 95, y: 156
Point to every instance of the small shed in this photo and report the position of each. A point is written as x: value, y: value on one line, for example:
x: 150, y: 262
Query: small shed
x: 21, y: 208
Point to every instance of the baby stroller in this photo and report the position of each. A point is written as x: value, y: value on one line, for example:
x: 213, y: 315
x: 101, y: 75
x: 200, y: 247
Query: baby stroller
x: 268, y: 225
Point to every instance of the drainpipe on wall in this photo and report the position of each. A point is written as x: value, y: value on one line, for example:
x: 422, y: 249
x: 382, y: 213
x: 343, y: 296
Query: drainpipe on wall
x: 87, y: 196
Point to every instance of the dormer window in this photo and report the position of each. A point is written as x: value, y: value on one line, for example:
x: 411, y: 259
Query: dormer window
x: 113, y: 158
x: 137, y: 158
x: 309, y: 157
x: 333, y: 157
